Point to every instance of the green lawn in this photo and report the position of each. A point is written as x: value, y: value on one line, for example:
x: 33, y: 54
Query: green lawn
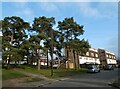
x: 11, y: 74
x: 57, y: 72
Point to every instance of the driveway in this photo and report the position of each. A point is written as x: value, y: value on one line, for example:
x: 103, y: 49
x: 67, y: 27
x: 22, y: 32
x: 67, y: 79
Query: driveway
x: 101, y: 79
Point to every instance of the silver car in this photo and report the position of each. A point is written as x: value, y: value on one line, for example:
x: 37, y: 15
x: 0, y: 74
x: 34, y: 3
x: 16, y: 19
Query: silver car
x: 56, y: 66
x: 93, y: 69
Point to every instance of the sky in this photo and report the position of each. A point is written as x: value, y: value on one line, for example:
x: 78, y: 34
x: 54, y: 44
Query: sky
x: 100, y: 19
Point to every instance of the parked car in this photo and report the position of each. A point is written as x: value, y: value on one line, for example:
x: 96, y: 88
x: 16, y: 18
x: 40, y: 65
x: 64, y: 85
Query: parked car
x: 55, y: 66
x: 93, y: 69
x: 108, y: 67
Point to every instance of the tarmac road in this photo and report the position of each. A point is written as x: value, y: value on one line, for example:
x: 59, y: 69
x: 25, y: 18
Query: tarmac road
x: 101, y: 79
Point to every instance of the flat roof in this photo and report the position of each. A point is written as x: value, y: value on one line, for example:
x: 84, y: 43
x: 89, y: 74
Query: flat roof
x: 93, y: 49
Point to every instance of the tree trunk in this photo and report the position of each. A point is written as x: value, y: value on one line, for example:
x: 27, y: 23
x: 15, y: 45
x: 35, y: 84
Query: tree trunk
x: 27, y: 57
x: 52, y: 49
x: 39, y: 61
x: 78, y: 61
x: 67, y: 50
x: 15, y: 63
x: 8, y: 65
x: 39, y: 64
x: 47, y: 60
x: 27, y: 60
x: 67, y: 58
x: 11, y: 39
x: 31, y: 60
x: 74, y: 59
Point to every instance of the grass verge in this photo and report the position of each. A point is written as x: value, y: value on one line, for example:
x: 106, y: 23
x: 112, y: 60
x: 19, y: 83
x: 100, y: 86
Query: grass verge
x: 116, y: 84
x: 11, y: 74
x: 57, y: 73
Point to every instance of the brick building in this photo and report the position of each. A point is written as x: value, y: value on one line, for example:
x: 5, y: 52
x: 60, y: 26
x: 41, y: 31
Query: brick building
x: 107, y: 57
x: 72, y: 61
x: 93, y: 56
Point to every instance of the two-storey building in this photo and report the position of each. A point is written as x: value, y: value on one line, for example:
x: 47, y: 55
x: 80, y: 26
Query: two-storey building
x: 106, y: 57
x: 91, y: 57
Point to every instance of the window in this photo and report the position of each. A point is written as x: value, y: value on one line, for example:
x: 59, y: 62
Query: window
x: 86, y: 58
x: 80, y: 57
x: 92, y: 54
x: 114, y: 57
x: 87, y: 53
x: 107, y: 55
x: 96, y: 55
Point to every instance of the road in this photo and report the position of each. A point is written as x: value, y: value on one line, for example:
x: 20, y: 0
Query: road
x: 101, y: 79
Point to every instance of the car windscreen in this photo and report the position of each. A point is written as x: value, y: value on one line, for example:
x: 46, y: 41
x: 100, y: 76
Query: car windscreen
x: 90, y: 67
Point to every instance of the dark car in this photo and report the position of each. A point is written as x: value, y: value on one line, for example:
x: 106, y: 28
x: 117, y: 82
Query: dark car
x: 108, y: 67
x: 93, y: 69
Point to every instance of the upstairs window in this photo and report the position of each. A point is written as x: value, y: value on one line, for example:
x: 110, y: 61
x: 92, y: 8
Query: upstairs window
x: 96, y: 55
x: 87, y: 54
x: 92, y: 54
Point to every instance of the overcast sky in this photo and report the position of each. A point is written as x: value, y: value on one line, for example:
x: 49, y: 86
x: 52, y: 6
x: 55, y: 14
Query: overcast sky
x: 100, y: 19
